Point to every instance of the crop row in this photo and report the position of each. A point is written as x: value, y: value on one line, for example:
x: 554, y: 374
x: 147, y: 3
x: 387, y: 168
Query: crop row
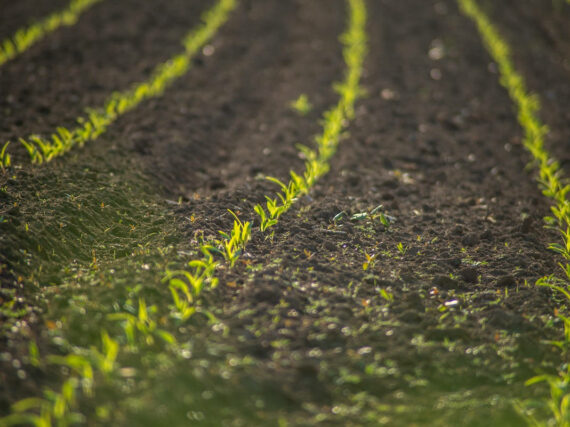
x: 552, y: 183
x: 142, y: 330
x: 98, y: 120
x: 24, y: 38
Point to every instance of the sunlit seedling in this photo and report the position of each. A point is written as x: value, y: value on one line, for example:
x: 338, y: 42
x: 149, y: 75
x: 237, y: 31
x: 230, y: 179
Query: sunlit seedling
x: 369, y: 263
x: 302, y: 105
x: 388, y: 296
x: 5, y: 159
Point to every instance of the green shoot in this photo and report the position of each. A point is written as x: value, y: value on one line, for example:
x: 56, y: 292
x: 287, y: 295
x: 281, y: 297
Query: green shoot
x: 388, y: 296
x: 5, y: 159
x: 401, y: 248
x: 369, y: 263
x: 302, y: 105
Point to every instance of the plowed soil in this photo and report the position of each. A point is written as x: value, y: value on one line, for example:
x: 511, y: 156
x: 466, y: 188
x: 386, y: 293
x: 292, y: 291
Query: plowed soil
x: 443, y: 327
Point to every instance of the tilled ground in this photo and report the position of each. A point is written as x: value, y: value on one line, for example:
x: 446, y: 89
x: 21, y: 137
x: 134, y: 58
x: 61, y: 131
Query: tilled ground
x: 442, y: 327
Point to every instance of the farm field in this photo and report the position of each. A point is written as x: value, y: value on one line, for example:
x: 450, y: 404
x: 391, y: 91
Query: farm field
x: 267, y: 212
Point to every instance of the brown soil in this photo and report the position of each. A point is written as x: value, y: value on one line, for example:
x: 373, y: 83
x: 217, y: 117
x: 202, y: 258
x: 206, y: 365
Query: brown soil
x: 435, y: 141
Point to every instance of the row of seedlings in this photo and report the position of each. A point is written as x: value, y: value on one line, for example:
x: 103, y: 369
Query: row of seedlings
x: 553, y: 184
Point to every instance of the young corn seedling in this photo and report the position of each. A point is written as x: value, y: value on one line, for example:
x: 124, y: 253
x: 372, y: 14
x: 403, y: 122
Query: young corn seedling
x: 276, y: 207
x: 559, y: 401
x: 370, y: 261
x: 105, y: 361
x: 56, y: 408
x: 388, y: 296
x: 561, y: 287
x: 5, y: 159
x: 234, y: 243
x: 302, y: 105
x: 265, y: 220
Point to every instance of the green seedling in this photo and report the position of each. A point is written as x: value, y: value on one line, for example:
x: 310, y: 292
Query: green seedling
x: 302, y: 105
x: 388, y: 296
x: 401, y: 248
x: 234, y: 242
x: 385, y: 219
x: 5, y: 159
x: 561, y: 287
x: 559, y: 402
x: 339, y: 216
x: 374, y: 214
x: 369, y: 263
x: 34, y: 354
x: 359, y: 216
x: 265, y: 220
x: 142, y: 325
